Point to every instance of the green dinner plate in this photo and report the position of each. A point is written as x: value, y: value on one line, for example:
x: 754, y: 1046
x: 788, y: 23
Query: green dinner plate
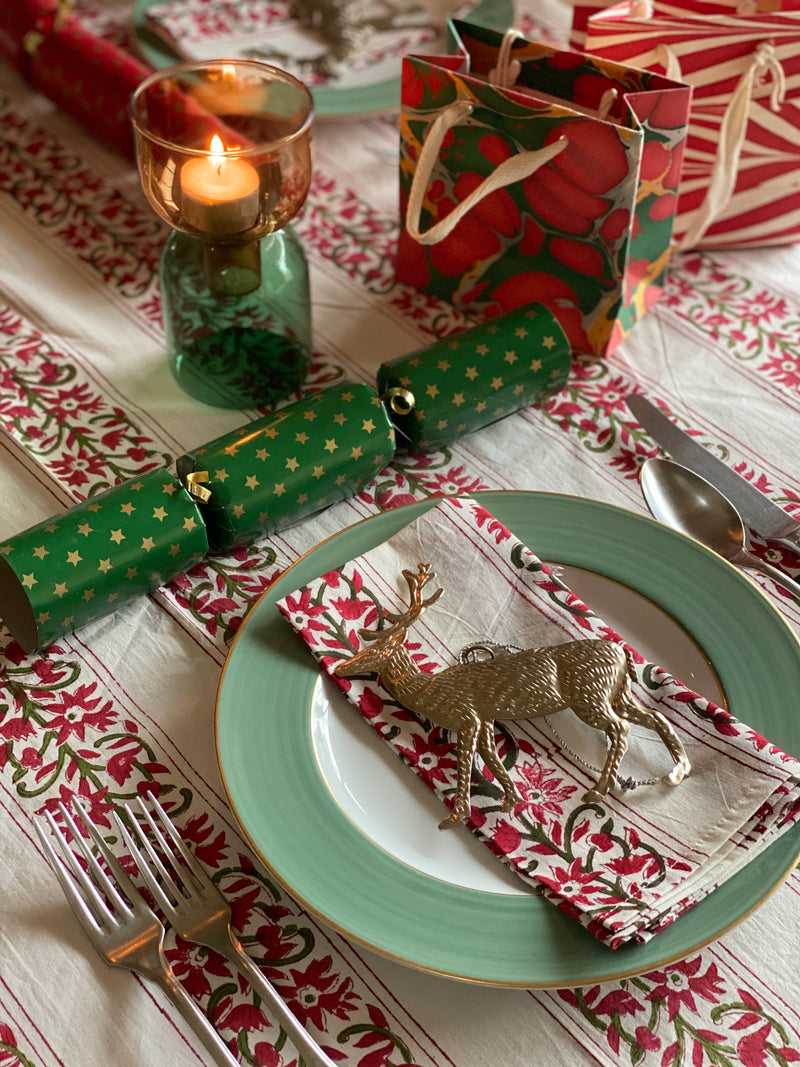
x: 329, y: 102
x: 296, y: 826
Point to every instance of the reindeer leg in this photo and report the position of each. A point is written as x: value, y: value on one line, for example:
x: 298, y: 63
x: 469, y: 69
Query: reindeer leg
x: 467, y: 743
x: 487, y: 749
x: 616, y: 730
x: 655, y: 721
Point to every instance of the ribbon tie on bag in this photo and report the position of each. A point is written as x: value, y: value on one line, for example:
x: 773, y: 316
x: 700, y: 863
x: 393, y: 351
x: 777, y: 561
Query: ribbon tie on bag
x: 732, y: 132
x: 506, y: 72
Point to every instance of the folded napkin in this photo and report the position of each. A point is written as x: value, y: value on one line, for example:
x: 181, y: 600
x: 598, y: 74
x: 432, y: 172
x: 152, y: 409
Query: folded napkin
x: 626, y: 865
x: 344, y: 44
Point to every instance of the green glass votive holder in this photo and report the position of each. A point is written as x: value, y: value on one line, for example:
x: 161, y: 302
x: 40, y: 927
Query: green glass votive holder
x: 224, y: 157
x: 237, y: 349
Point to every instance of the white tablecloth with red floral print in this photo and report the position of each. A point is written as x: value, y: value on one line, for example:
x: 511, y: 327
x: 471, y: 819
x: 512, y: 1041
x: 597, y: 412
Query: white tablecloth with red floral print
x: 126, y: 704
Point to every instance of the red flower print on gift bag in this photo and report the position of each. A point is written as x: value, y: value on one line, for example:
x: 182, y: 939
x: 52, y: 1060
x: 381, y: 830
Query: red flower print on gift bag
x: 531, y: 175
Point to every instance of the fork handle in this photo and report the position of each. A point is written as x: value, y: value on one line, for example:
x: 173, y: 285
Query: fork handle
x: 199, y: 1022
x: 303, y: 1042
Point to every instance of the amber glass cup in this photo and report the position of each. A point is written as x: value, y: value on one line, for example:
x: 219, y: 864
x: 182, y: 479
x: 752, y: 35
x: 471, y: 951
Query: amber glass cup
x: 224, y: 154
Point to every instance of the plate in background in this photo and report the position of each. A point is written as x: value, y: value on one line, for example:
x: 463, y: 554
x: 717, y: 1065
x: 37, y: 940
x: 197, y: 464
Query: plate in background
x: 366, y: 98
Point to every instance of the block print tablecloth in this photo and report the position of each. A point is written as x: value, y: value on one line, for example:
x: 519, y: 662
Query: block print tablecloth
x: 126, y: 705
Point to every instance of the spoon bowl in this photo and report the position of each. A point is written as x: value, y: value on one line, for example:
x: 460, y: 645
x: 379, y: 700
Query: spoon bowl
x: 688, y: 503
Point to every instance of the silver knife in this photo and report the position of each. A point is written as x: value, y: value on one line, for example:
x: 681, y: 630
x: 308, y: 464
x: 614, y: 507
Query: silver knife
x: 758, y: 512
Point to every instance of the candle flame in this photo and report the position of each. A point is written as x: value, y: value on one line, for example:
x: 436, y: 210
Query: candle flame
x: 217, y: 153
x: 228, y: 72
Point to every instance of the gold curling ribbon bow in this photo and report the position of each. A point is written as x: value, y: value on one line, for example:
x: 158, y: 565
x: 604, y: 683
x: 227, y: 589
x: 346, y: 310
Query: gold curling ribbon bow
x: 195, y: 488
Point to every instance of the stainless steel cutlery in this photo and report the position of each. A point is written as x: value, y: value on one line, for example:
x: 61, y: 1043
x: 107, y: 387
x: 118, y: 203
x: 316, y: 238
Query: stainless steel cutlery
x: 688, y: 503
x: 757, y: 511
x: 118, y: 922
x: 198, y: 911
x: 127, y: 932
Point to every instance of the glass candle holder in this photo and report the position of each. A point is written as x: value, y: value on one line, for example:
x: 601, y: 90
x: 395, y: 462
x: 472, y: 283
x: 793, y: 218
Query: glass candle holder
x: 224, y: 154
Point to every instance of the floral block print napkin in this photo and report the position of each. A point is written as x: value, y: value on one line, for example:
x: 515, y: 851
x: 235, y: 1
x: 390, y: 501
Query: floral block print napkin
x: 341, y: 44
x: 625, y: 866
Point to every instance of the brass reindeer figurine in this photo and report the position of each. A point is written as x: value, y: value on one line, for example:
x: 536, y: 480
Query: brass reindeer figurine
x: 593, y: 677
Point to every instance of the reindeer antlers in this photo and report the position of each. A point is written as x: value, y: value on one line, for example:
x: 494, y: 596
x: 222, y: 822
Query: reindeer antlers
x: 416, y: 583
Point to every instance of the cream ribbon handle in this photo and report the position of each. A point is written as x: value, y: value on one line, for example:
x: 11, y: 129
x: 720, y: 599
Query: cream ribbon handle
x: 731, y: 134
x: 505, y: 74
x: 509, y: 171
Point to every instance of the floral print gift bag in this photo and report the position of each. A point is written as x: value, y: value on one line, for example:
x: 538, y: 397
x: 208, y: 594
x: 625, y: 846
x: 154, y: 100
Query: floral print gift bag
x: 532, y: 175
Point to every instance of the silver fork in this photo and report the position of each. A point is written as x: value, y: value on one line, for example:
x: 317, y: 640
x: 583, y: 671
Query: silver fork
x: 198, y: 912
x: 123, y: 929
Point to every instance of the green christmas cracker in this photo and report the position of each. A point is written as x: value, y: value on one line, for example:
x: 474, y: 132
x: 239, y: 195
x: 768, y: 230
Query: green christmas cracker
x: 87, y: 562
x: 83, y: 564
x: 291, y: 464
x: 475, y: 377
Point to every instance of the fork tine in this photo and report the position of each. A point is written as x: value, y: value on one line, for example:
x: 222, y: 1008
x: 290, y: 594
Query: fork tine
x: 116, y: 868
x: 96, y: 879
x: 168, y: 849
x: 185, y: 853
x: 135, y: 848
x: 65, y: 876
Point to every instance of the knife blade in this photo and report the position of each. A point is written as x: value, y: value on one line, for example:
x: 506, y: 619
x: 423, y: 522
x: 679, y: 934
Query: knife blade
x: 757, y: 511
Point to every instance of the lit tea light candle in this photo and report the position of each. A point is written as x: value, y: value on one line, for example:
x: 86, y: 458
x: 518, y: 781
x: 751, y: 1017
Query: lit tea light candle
x: 226, y: 92
x: 219, y: 193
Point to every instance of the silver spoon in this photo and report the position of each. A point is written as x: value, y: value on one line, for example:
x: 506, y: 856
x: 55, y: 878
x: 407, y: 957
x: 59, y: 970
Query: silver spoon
x: 688, y: 503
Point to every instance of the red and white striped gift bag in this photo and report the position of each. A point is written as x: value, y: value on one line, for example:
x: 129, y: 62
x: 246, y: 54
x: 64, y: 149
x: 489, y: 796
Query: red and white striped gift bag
x: 582, y: 10
x: 741, y: 171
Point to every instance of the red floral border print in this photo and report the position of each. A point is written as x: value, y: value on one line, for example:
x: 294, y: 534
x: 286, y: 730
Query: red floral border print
x: 700, y: 1011
x: 53, y: 410
x: 10, y: 1053
x: 758, y: 328
x: 63, y: 733
x: 118, y: 239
